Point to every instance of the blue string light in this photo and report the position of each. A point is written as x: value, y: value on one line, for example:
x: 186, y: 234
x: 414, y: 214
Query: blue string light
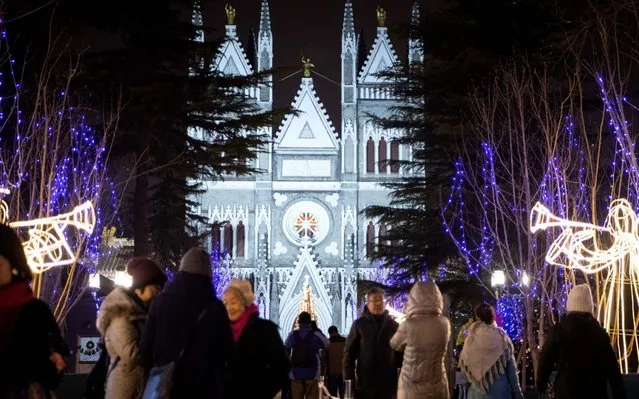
x: 52, y: 163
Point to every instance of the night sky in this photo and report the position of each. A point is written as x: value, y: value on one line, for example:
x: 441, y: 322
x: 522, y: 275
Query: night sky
x: 313, y: 28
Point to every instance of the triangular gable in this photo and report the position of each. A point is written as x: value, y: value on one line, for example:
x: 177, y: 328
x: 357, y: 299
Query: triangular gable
x: 231, y: 58
x: 381, y: 57
x: 307, y: 132
x: 231, y: 68
x: 311, y: 127
x: 305, y: 271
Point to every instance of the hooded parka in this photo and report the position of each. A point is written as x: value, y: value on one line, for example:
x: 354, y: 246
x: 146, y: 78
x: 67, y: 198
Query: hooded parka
x: 121, y: 321
x: 423, y: 337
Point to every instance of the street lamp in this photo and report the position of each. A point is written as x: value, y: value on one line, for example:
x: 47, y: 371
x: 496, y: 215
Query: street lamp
x: 525, y: 279
x: 498, y: 280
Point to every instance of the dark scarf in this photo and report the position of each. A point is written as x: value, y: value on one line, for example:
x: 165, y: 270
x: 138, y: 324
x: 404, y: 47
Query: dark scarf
x: 12, y: 298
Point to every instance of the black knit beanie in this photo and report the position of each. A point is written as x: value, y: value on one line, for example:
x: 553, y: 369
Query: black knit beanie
x: 11, y: 248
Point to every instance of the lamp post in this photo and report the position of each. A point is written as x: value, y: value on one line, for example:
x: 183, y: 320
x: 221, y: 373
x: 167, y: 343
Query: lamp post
x: 525, y: 279
x: 497, y: 280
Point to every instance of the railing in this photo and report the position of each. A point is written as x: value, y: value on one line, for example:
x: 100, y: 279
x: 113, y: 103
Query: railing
x: 324, y: 394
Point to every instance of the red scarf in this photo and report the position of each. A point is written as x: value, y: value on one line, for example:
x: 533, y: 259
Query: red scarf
x: 12, y: 298
x: 238, y: 325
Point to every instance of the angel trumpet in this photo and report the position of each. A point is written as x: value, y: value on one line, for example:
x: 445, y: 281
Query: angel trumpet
x: 47, y: 246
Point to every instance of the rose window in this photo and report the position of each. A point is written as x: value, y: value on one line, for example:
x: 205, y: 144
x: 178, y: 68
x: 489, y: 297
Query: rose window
x: 306, y: 219
x: 306, y: 225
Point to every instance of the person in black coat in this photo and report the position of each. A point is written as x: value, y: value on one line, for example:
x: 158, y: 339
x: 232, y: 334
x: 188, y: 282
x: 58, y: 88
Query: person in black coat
x: 172, y: 325
x: 261, y: 363
x: 579, y: 348
x: 31, y: 346
x: 368, y: 354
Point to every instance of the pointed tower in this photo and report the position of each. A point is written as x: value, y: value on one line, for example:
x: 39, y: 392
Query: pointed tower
x: 198, y: 23
x: 415, y: 44
x: 264, y: 62
x: 349, y: 95
x: 381, y: 57
x: 231, y: 58
x: 264, y: 54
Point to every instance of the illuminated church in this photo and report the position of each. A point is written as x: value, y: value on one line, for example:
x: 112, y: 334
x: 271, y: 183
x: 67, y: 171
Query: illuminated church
x: 296, y: 230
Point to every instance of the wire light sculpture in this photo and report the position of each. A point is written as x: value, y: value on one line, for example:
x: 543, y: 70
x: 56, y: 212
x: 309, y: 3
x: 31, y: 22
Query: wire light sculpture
x: 48, y: 246
x: 579, y: 246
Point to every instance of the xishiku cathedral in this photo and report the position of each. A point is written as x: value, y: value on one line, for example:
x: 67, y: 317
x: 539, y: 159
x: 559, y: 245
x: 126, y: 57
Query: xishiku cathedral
x: 296, y: 230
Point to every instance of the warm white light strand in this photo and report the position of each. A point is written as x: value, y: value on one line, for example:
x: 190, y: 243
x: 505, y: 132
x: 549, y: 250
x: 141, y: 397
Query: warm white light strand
x: 579, y: 246
x: 47, y: 246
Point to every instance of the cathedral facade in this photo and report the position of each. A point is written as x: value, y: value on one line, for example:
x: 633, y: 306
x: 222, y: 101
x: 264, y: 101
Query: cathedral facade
x: 296, y: 230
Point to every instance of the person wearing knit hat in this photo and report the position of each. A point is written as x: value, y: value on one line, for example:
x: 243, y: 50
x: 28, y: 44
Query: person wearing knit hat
x: 580, y: 350
x: 580, y: 299
x: 196, y: 261
x: 31, y: 346
x: 260, y: 350
x: 145, y: 272
x: 121, y: 320
x: 188, y: 318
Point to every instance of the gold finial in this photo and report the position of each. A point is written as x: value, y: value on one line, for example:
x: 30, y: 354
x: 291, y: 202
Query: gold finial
x: 381, y: 17
x: 308, y: 66
x: 230, y: 14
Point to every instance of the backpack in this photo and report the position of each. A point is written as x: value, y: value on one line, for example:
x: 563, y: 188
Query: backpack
x: 304, y: 354
x: 160, y: 382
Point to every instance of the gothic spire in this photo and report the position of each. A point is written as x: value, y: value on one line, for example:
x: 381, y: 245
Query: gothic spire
x: 265, y: 18
x: 415, y: 14
x: 349, y: 21
x: 415, y: 44
x: 197, y: 21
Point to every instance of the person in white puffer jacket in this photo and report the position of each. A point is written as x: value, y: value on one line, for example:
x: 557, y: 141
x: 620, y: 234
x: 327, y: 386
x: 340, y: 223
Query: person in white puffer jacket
x: 423, y: 337
x: 121, y: 321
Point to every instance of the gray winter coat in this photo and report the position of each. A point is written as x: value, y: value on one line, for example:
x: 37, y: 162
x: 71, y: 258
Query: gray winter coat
x: 120, y: 321
x: 423, y: 337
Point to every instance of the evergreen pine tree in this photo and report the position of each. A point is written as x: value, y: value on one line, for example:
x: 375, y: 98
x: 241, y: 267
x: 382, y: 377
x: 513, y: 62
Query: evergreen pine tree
x: 462, y: 43
x: 168, y: 87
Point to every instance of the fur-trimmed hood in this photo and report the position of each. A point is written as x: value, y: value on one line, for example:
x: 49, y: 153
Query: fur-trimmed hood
x: 119, y: 303
x: 424, y: 298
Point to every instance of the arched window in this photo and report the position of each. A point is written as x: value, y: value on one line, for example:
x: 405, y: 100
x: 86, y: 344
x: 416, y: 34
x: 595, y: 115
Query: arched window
x: 241, y: 236
x: 215, y: 237
x: 382, y: 156
x: 370, y: 239
x: 370, y: 155
x: 394, y: 156
x: 383, y: 231
x: 228, y: 239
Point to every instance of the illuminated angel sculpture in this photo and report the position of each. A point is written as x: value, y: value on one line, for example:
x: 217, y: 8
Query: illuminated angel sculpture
x: 47, y: 246
x: 579, y: 246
